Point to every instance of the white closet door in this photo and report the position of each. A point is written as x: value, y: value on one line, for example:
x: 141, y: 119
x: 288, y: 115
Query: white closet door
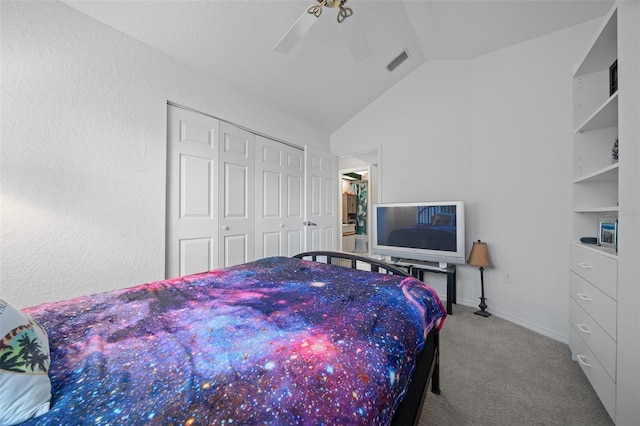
x: 192, y: 193
x: 237, y: 221
x: 321, y: 195
x: 279, y: 199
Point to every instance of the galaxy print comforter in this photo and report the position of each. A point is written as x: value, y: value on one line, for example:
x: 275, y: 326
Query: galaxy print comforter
x: 276, y: 341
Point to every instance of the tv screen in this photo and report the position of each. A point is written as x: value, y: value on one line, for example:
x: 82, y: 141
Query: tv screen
x: 427, y: 231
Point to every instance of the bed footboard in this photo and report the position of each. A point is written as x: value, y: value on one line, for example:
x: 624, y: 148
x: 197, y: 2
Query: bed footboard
x: 428, y: 363
x: 352, y: 261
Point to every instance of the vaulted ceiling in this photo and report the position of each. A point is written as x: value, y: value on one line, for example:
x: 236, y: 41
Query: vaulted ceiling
x: 319, y: 80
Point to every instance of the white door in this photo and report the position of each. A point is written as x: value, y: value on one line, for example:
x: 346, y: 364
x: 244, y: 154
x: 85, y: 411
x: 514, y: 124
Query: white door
x: 192, y: 193
x: 237, y: 222
x: 279, y: 199
x: 321, y: 195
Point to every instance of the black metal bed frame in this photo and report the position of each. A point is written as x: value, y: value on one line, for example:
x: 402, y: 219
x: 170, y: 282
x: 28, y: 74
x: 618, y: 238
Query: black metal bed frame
x: 428, y: 362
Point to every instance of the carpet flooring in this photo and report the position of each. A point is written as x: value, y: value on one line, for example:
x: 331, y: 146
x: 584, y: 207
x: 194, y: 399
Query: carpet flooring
x: 494, y: 372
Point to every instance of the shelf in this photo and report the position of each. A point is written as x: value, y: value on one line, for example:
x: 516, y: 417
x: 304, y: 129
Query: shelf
x: 605, y: 116
x: 603, y: 50
x: 605, y: 251
x: 596, y: 209
x: 605, y: 174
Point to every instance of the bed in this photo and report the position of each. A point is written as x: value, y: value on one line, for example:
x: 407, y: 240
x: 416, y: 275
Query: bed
x: 275, y: 341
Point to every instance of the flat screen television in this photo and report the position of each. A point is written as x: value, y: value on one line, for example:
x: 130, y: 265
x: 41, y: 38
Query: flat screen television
x: 427, y: 231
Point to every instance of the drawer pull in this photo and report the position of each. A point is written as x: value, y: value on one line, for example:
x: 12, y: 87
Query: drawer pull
x: 584, y: 297
x: 584, y: 265
x: 581, y: 360
x: 583, y: 328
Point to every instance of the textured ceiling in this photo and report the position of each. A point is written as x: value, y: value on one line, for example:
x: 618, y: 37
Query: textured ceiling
x: 319, y: 81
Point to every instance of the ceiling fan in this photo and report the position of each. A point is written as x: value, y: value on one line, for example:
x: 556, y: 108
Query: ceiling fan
x: 353, y: 35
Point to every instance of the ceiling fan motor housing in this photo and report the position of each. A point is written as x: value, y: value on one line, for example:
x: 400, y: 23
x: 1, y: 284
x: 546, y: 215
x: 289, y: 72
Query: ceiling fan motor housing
x: 335, y: 3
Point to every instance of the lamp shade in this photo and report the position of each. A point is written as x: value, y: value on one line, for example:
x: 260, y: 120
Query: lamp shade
x: 479, y: 255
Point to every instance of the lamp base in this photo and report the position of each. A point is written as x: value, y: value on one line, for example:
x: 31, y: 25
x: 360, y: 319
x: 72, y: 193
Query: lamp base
x: 482, y: 313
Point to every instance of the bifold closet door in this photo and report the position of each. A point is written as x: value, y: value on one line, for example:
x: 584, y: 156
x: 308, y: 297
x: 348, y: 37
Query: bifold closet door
x: 279, y: 199
x: 192, y: 193
x: 321, y: 200
x: 233, y: 197
x: 237, y: 195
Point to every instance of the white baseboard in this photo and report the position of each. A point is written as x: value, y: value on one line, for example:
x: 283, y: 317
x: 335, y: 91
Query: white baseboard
x: 526, y: 324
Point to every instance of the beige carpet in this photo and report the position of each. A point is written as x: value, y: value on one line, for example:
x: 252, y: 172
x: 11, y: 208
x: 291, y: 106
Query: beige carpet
x: 493, y: 372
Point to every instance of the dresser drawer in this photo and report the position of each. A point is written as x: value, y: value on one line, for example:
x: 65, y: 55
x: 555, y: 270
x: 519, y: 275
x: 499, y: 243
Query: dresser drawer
x: 597, y: 268
x: 599, y: 342
x: 598, y: 377
x: 598, y: 305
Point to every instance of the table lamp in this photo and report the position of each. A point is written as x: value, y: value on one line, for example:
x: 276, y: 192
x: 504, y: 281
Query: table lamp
x: 479, y: 257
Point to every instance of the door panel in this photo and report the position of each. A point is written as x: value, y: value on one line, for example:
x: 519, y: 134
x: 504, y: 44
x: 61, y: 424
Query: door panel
x: 295, y: 242
x: 236, y: 249
x: 321, y: 183
x: 271, y: 244
x: 294, y: 197
x: 195, y: 255
x: 316, y: 239
x: 329, y: 196
x: 195, y: 186
x: 272, y: 195
x: 192, y: 193
x: 237, y: 224
x: 279, y: 208
x: 235, y: 190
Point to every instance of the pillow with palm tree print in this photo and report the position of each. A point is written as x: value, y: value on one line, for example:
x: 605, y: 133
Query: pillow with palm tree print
x: 25, y: 388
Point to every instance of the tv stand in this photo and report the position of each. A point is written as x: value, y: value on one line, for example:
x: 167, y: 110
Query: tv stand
x: 417, y: 268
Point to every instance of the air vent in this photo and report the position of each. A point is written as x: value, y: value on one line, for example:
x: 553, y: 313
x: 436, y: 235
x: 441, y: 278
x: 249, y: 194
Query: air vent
x: 398, y: 60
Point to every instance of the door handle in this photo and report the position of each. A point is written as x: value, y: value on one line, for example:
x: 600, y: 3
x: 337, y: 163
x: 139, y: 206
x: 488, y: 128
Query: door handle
x: 225, y: 228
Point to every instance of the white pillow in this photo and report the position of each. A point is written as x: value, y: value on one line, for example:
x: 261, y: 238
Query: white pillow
x: 25, y: 388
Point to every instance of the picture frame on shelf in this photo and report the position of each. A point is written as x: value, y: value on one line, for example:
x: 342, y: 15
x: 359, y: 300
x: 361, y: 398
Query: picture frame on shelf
x: 608, y: 234
x: 613, y: 78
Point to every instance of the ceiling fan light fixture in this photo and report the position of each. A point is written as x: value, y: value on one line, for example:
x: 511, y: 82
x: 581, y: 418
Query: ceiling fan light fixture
x: 355, y: 40
x: 317, y: 10
x: 334, y: 3
x: 343, y: 13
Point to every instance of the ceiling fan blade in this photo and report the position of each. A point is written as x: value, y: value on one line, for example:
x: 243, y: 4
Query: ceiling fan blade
x: 355, y: 39
x: 296, y: 32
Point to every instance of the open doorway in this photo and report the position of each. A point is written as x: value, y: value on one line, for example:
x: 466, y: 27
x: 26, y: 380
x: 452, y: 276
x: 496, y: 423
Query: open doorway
x: 359, y: 190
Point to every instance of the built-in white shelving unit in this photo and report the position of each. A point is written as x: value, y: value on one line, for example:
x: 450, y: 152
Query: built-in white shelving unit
x: 604, y: 297
x: 595, y: 119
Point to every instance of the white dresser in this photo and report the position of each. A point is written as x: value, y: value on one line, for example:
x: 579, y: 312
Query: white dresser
x: 593, y: 318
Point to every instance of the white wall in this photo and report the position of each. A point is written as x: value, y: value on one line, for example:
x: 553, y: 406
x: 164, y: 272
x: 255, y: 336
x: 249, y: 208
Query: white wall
x: 422, y: 127
x: 83, y: 151
x: 494, y: 131
x: 522, y: 168
x: 411, y: 125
